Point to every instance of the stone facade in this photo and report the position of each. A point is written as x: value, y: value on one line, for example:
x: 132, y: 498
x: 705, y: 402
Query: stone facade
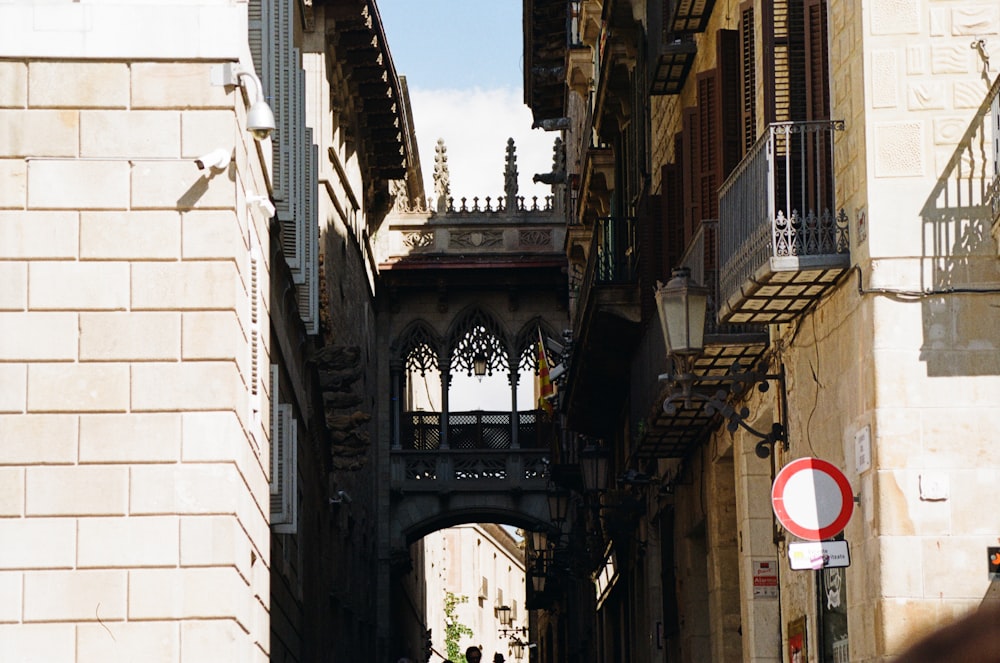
x: 154, y: 332
x: 890, y: 376
x: 135, y: 466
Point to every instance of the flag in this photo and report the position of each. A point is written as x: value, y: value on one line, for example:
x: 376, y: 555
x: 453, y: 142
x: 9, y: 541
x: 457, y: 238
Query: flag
x: 545, y: 389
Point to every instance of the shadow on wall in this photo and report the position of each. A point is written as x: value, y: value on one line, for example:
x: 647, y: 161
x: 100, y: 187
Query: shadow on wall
x: 959, y: 255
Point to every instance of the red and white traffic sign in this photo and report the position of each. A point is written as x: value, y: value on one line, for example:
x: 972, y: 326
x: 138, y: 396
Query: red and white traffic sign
x: 812, y: 499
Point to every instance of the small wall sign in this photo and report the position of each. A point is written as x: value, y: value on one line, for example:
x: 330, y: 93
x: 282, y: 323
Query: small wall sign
x: 993, y: 562
x: 814, y: 555
x: 765, y: 579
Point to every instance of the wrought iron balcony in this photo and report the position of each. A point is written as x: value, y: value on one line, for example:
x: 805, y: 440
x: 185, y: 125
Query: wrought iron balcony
x: 611, y: 268
x: 783, y: 240
x: 664, y: 435
x: 606, y: 325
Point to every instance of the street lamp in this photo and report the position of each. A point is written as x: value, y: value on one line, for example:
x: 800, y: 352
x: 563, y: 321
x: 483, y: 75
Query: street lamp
x: 595, y: 465
x: 539, y: 541
x: 538, y: 581
x: 682, y: 305
x: 558, y: 499
x: 503, y: 613
x: 517, y: 648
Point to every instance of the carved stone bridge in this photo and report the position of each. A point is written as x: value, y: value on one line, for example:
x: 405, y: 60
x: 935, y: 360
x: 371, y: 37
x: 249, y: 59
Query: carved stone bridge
x: 496, y: 468
x: 469, y: 287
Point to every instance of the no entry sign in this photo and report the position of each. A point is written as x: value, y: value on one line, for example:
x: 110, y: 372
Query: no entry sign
x: 812, y: 499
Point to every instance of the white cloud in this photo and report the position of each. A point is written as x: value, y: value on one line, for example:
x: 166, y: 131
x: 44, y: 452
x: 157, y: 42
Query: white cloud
x: 475, y: 125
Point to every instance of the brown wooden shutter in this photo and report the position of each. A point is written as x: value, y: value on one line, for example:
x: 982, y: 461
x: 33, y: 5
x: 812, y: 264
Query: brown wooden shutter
x: 650, y: 241
x: 672, y: 206
x: 709, y: 163
x: 819, y: 178
x: 817, y: 61
x: 729, y: 101
x: 786, y: 50
x: 748, y: 75
x: 690, y: 172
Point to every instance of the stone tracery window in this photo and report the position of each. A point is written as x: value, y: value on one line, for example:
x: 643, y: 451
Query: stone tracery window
x: 478, y: 337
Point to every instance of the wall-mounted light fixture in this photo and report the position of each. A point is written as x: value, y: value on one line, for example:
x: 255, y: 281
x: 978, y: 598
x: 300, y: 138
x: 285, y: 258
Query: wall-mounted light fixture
x: 479, y: 365
x: 682, y: 305
x: 260, y: 117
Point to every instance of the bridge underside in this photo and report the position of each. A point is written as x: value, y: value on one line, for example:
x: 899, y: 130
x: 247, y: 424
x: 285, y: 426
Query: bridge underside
x: 416, y: 515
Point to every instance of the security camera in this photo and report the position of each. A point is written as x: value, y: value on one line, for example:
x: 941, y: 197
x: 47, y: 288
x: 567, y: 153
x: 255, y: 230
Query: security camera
x: 262, y: 202
x: 341, y: 498
x: 217, y: 159
x: 260, y: 120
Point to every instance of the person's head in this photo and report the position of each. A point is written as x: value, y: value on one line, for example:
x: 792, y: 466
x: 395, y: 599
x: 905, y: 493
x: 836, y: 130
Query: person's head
x: 498, y: 658
x: 473, y: 655
x: 975, y: 638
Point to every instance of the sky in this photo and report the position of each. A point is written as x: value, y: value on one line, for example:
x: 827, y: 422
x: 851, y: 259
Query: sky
x: 462, y: 60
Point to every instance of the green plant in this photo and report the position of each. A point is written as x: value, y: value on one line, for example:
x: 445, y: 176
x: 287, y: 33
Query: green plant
x: 454, y: 629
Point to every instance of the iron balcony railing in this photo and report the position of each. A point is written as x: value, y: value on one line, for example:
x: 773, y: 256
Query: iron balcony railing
x: 616, y: 251
x: 480, y: 453
x: 613, y: 258
x: 701, y: 258
x: 779, y: 202
x: 476, y: 430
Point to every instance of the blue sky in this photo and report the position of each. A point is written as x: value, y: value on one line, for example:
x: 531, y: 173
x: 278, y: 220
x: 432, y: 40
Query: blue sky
x: 455, y: 43
x: 462, y: 60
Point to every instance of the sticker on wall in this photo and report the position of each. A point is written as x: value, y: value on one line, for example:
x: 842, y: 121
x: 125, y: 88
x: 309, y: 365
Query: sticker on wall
x: 993, y: 562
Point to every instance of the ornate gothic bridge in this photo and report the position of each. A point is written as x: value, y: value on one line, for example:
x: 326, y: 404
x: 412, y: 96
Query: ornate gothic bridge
x: 471, y: 286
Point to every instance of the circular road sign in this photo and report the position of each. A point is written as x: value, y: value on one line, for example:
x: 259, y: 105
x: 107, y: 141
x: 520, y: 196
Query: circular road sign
x: 812, y: 499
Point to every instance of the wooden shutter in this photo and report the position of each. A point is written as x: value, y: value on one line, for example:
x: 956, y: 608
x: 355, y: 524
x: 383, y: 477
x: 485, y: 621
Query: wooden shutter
x: 308, y: 290
x: 273, y: 425
x: 256, y: 349
x: 690, y: 171
x: 817, y: 61
x: 748, y: 75
x: 709, y: 155
x: 650, y: 242
x: 255, y: 34
x: 284, y: 504
x: 818, y: 170
x: 282, y: 71
x: 672, y: 202
x: 729, y: 102
x: 788, y: 64
x: 290, y: 208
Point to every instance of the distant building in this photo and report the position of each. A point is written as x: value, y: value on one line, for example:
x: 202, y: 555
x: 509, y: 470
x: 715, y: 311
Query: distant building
x: 484, y: 563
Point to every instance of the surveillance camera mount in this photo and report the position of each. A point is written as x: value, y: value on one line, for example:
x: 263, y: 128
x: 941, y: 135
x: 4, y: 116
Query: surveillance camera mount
x: 260, y: 117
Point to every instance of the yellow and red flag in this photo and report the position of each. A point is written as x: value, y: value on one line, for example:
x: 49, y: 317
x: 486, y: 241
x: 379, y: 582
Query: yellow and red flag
x: 545, y: 389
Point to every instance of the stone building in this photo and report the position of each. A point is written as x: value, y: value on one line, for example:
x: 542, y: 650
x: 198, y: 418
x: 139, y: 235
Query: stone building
x: 828, y: 170
x: 188, y: 369
x: 482, y: 565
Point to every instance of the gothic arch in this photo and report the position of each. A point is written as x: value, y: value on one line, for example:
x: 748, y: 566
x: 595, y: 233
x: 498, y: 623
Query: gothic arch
x: 526, y: 343
x: 418, y: 346
x: 477, y: 333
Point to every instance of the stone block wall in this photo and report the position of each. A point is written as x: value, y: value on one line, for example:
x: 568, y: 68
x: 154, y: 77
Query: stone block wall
x: 133, y: 466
